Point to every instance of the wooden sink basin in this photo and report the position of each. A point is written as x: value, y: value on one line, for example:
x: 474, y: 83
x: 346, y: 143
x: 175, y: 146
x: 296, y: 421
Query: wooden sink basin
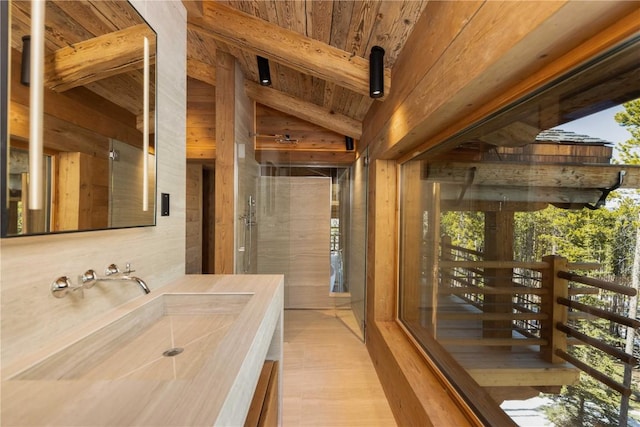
x: 168, y: 338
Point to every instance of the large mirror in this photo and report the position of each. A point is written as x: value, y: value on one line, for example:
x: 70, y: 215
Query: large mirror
x: 98, y: 167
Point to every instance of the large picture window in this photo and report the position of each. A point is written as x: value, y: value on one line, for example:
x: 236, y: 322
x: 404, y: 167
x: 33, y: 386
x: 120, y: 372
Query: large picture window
x: 519, y: 249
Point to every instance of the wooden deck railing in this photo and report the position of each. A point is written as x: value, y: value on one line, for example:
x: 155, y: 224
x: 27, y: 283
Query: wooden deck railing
x: 584, y: 339
x: 544, y: 308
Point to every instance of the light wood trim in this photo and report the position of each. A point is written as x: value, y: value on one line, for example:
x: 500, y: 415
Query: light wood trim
x: 382, y: 246
x: 86, y: 62
x: 414, y: 247
x: 284, y: 46
x: 225, y: 165
x: 261, y: 402
x: 304, y: 110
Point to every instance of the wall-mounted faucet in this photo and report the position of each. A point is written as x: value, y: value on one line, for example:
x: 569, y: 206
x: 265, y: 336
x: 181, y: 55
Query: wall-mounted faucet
x: 62, y: 286
x: 113, y: 274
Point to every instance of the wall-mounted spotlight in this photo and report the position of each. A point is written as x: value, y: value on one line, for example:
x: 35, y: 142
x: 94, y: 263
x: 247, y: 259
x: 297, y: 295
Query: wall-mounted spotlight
x: 376, y: 72
x: 25, y: 67
x: 263, y: 71
x: 348, y: 143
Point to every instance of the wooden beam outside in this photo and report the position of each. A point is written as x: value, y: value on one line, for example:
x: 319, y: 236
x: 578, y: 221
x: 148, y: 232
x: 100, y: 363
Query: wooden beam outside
x: 495, y: 206
x: 303, y: 110
x: 536, y: 195
x: 225, y: 165
x: 287, y: 47
x: 98, y: 58
x: 534, y: 175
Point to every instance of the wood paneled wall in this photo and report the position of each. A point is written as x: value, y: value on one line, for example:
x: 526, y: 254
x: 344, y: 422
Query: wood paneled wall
x: 82, y: 196
x: 477, y: 57
x: 29, y: 315
x: 201, y: 121
x: 194, y: 214
x: 293, y: 233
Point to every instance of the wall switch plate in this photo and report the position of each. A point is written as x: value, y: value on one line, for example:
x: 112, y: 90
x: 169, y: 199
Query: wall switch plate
x: 164, y: 204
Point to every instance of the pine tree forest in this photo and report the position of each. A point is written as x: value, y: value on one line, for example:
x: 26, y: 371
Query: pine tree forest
x: 607, y: 236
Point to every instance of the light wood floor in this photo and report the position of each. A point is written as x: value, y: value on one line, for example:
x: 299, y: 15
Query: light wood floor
x: 329, y: 379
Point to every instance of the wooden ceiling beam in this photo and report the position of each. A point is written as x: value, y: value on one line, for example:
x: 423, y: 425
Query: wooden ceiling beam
x: 194, y: 7
x: 533, y: 175
x: 201, y: 71
x: 98, y: 58
x: 287, y: 47
x: 303, y: 110
x: 305, y: 158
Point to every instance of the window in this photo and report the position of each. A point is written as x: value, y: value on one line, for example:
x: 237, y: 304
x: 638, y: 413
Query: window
x: 499, y: 228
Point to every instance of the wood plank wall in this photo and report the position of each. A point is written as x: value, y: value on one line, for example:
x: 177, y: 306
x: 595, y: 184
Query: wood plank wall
x: 452, y: 85
x: 82, y: 192
x: 194, y: 214
x: 201, y: 121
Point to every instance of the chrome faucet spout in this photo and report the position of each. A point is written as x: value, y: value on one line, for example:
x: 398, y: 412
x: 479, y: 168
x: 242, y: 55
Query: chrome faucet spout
x: 124, y: 278
x: 141, y: 283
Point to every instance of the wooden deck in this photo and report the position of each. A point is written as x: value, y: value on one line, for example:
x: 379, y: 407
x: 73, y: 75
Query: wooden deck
x: 496, y: 366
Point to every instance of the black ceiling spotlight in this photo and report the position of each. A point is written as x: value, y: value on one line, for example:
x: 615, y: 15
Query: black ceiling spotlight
x: 25, y: 67
x: 348, y: 142
x: 376, y: 72
x: 263, y: 71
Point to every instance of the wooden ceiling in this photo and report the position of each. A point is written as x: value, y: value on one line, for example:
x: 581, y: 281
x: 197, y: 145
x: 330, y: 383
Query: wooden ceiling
x: 318, y: 53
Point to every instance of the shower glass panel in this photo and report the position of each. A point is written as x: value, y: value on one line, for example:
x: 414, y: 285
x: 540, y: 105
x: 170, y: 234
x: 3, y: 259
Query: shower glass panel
x: 357, y: 272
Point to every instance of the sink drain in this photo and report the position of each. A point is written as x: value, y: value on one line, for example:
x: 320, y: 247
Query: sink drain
x: 173, y: 352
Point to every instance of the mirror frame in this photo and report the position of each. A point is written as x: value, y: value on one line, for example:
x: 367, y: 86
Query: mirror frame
x: 4, y: 103
x: 5, y: 34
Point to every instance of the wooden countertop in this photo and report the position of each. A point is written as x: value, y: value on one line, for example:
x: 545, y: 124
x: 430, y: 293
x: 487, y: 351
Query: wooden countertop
x: 220, y: 393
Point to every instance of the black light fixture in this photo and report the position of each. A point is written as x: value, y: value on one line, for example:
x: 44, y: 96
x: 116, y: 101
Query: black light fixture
x: 25, y: 67
x: 348, y: 142
x: 376, y: 72
x: 263, y: 71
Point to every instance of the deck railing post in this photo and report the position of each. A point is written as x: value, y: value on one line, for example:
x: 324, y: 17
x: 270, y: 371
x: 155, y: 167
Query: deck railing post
x: 556, y: 287
x: 446, y: 254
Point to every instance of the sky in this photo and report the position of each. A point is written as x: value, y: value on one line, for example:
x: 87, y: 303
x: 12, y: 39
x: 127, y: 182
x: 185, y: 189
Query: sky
x: 600, y: 125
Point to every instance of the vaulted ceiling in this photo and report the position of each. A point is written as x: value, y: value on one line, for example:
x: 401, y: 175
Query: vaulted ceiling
x: 319, y: 59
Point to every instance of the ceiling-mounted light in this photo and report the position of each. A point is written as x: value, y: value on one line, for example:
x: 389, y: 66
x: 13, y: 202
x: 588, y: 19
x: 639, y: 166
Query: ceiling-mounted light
x: 263, y: 71
x: 348, y: 142
x: 376, y: 72
x: 25, y: 66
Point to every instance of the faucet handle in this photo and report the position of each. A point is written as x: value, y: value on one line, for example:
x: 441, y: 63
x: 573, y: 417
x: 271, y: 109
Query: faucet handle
x: 128, y: 269
x: 88, y: 279
x: 62, y: 286
x: 111, y: 270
